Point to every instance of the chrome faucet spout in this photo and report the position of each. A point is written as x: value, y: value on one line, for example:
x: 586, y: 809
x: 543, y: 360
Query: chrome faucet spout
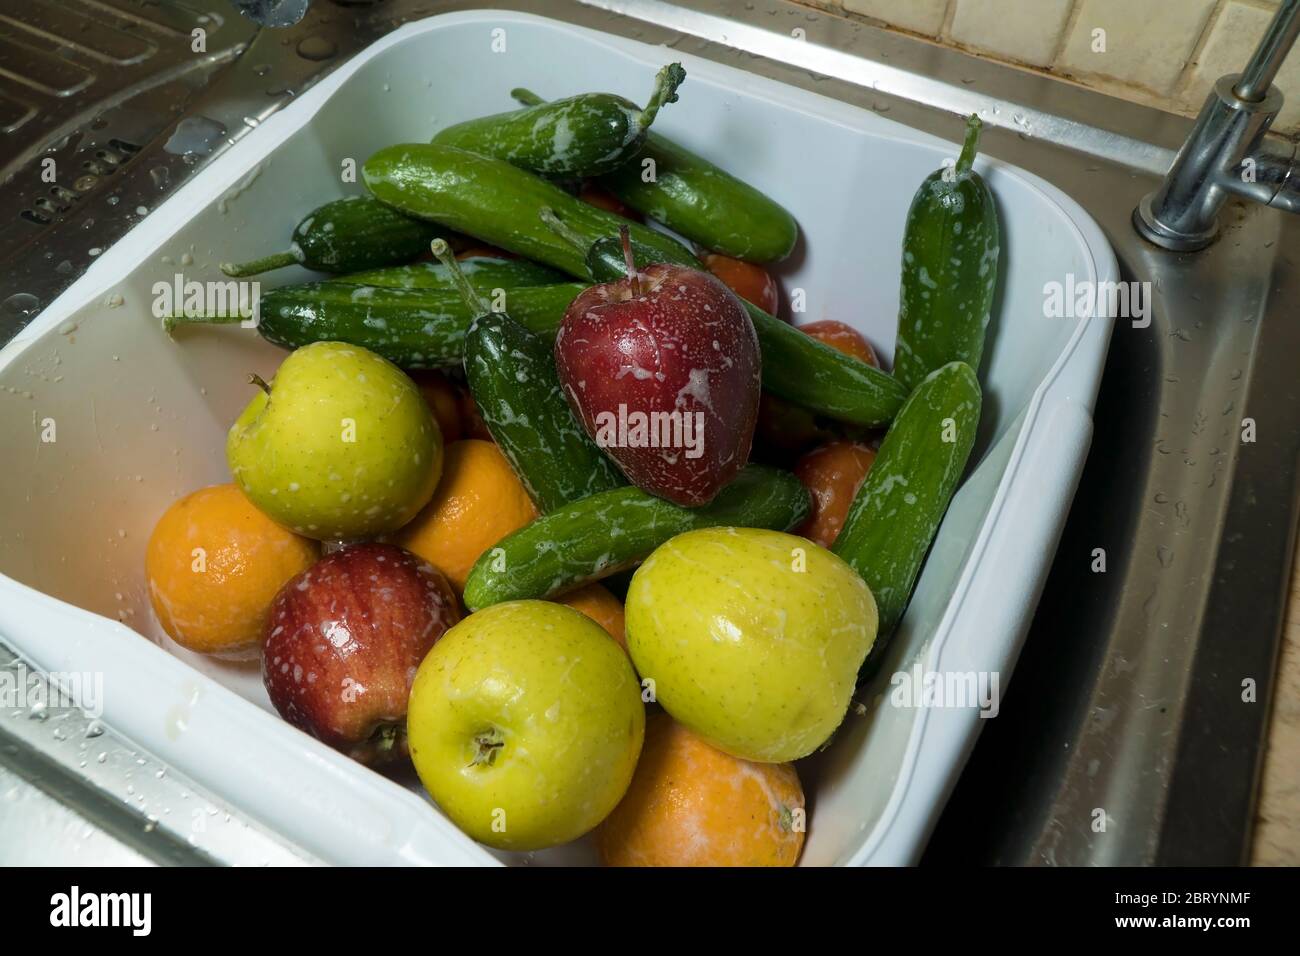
x: 1227, y: 152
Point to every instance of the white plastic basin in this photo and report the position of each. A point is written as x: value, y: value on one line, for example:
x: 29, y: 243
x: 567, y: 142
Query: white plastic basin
x: 141, y: 419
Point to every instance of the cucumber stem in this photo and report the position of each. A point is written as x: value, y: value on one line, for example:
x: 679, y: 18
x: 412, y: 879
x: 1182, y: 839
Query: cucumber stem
x: 562, y: 229
x: 265, y: 264
x: 967, y: 158
x: 526, y: 97
x: 467, y: 292
x: 666, y: 82
x: 170, y: 322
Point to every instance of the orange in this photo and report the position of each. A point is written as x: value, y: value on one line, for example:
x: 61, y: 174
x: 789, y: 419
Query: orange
x: 602, y: 607
x: 692, y: 805
x: 443, y: 398
x: 842, y: 337
x: 833, y: 474
x: 214, y: 564
x: 478, y: 502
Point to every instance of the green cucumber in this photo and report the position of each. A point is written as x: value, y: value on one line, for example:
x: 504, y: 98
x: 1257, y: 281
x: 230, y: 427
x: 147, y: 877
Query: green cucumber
x: 696, y: 199
x: 485, y: 272
x: 511, y: 374
x: 950, y: 267
x: 897, y: 511
x: 614, y: 530
x: 348, y: 235
x: 796, y: 367
x: 412, y: 328
x: 498, y: 204
x: 577, y: 136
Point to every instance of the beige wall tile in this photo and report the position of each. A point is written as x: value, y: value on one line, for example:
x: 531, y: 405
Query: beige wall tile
x: 1232, y: 39
x: 1148, y: 42
x: 919, y: 16
x: 1027, y: 31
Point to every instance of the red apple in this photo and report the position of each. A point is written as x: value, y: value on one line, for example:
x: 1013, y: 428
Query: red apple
x: 344, y: 640
x: 662, y: 369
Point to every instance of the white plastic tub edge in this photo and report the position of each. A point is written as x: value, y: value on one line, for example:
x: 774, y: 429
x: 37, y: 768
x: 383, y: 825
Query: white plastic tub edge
x: 345, y: 814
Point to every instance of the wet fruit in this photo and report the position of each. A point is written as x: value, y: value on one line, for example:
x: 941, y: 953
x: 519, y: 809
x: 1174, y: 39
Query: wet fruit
x: 343, y: 642
x: 478, y: 502
x: 690, y: 804
x: 214, y: 563
x: 525, y: 724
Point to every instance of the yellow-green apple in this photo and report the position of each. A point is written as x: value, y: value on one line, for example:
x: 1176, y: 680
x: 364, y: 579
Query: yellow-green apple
x: 525, y: 724
x: 344, y: 639
x: 340, y: 444
x: 752, y: 638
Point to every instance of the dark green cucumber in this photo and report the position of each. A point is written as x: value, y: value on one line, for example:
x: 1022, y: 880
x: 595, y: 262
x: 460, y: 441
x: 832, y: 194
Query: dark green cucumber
x: 796, y: 367
x: 412, y: 328
x: 696, y: 199
x: 498, y: 204
x: 348, y: 235
x: 485, y: 272
x: 577, y: 136
x: 950, y: 267
x: 609, y: 532
x: 511, y: 374
x: 897, y: 511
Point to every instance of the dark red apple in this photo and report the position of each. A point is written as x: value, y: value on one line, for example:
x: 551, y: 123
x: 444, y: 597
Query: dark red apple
x: 662, y: 368
x: 343, y: 642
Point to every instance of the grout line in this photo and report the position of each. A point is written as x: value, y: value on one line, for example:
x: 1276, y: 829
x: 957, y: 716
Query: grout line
x: 945, y: 25
x: 1071, y: 22
x: 1188, y: 75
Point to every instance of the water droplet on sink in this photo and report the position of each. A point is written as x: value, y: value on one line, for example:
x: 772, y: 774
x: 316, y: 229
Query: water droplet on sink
x: 1164, y: 556
x: 161, y: 176
x: 1161, y: 498
x: 21, y: 304
x: 195, y: 136
x: 317, y: 48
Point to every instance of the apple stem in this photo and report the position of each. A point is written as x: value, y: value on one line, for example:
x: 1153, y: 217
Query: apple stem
x: 666, y: 82
x: 387, y: 736
x: 255, y: 379
x: 526, y: 97
x: 487, y: 745
x: 967, y: 158
x: 467, y: 292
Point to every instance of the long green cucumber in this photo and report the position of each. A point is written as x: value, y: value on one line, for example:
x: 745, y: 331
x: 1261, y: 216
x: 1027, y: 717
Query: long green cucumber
x: 950, y: 267
x: 696, y: 199
x: 347, y: 235
x: 412, y: 328
x: 614, y: 530
x: 897, y: 511
x: 511, y: 374
x: 581, y: 135
x: 485, y: 272
x: 498, y: 204
x: 796, y: 367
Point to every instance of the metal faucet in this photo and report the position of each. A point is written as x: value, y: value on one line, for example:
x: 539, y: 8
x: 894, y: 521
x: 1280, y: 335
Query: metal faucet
x: 1226, y: 153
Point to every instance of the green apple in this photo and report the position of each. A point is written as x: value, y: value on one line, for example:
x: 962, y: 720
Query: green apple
x: 753, y: 638
x: 340, y: 445
x: 525, y: 723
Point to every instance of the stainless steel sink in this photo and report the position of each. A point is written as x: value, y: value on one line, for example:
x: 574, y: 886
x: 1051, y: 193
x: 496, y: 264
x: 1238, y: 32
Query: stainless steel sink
x: 1128, y: 698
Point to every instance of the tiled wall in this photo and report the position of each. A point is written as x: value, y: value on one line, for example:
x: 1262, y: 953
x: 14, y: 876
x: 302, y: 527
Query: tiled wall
x: 1165, y: 53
